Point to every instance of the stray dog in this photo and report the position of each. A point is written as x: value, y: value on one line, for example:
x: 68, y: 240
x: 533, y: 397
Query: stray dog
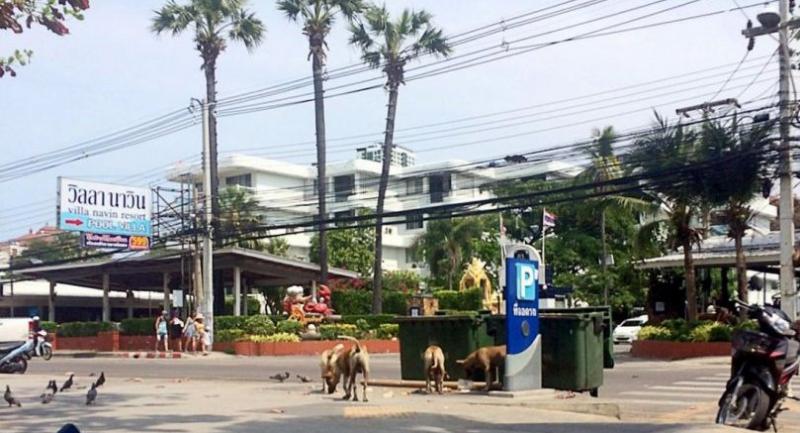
x: 351, y: 362
x: 434, y: 369
x: 485, y: 359
x: 327, y: 366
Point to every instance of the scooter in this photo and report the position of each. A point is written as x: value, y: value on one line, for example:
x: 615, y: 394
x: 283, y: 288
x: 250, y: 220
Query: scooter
x: 763, y: 363
x: 14, y: 358
x: 42, y: 348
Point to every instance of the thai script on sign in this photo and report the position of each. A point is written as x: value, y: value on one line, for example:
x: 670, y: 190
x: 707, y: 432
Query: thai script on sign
x: 524, y: 311
x: 114, y: 199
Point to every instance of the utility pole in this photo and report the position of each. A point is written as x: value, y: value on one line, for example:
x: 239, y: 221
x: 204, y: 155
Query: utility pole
x: 208, y: 265
x: 780, y: 23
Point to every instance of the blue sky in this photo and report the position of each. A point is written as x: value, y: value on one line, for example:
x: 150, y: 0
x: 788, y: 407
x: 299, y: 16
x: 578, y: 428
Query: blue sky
x: 112, y: 72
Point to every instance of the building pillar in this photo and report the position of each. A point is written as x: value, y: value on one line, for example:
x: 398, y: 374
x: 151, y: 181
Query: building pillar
x: 314, y: 290
x: 165, y: 284
x: 246, y: 291
x: 237, y: 291
x: 106, y: 301
x: 51, y: 302
x: 129, y: 301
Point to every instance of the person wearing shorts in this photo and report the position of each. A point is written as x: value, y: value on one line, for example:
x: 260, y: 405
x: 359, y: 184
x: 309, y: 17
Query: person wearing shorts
x: 190, y: 335
x: 161, y: 331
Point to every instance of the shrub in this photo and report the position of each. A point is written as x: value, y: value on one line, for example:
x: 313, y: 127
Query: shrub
x: 282, y: 337
x: 83, y: 329
x: 468, y: 300
x: 747, y: 325
x: 145, y: 326
x: 701, y: 333
x: 448, y: 299
x: 332, y: 332
x: 720, y: 332
x: 50, y: 327
x: 349, y: 302
x: 374, y: 320
x: 289, y: 327
x: 362, y: 325
x: 258, y: 325
x: 658, y: 333
x: 395, y: 302
x: 229, y: 335
x: 229, y: 322
x: 387, y: 331
x: 401, y: 281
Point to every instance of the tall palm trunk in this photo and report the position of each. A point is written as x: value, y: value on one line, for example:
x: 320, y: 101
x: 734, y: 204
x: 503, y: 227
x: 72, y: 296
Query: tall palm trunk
x: 691, y: 284
x: 377, y: 272
x: 741, y: 267
x: 319, y: 117
x: 605, y: 254
x: 210, y: 69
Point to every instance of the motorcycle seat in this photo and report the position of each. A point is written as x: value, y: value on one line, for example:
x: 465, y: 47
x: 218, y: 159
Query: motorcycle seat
x: 10, y: 345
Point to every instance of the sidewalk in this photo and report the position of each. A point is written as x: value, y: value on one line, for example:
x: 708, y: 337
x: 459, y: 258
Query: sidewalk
x: 135, y: 354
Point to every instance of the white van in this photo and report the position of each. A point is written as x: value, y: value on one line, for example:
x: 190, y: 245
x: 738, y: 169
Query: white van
x: 14, y: 329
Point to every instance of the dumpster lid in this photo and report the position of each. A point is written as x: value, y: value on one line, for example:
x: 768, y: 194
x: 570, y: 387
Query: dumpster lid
x: 407, y: 319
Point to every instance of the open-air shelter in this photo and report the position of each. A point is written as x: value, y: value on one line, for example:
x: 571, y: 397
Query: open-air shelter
x: 166, y: 271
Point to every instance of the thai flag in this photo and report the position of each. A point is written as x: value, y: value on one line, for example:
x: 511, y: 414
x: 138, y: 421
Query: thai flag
x: 548, y: 219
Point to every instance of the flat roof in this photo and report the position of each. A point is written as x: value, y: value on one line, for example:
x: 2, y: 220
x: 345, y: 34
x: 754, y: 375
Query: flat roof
x: 145, y: 272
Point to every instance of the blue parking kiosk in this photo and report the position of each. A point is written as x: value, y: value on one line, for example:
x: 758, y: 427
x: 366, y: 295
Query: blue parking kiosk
x: 523, y: 274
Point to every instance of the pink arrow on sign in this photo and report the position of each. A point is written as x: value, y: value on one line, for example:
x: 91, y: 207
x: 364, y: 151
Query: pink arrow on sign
x: 74, y: 222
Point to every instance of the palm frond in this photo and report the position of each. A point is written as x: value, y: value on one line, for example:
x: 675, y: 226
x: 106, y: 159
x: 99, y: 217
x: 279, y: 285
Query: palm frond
x: 420, y: 19
x: 173, y: 18
x: 247, y: 29
x: 360, y: 37
x: 372, y: 58
x: 349, y: 8
x: 377, y: 18
x: 292, y: 9
x: 432, y: 41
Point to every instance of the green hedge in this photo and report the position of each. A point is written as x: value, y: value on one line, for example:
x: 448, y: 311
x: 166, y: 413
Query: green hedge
x: 229, y: 322
x: 145, y: 326
x: 350, y: 302
x: 289, y: 327
x: 229, y: 335
x: 374, y: 321
x: 332, y: 332
x: 83, y: 329
x: 468, y: 300
x: 395, y: 302
x: 258, y: 325
x: 50, y: 327
x: 681, y: 330
x: 387, y: 331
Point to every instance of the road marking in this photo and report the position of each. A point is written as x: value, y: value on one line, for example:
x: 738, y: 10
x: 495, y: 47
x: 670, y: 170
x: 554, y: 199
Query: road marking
x: 684, y: 388
x: 724, y: 375
x: 696, y: 383
x: 710, y: 378
x: 695, y: 395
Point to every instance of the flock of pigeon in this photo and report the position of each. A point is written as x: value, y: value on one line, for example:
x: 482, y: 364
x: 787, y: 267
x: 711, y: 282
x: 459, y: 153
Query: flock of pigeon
x: 52, y: 389
x: 282, y: 377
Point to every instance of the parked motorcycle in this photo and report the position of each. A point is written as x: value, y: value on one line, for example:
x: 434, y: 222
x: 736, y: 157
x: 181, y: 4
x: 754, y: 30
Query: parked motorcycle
x: 13, y: 356
x: 763, y: 362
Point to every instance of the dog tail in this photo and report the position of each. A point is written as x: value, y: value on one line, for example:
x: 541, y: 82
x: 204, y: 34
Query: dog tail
x: 354, y: 340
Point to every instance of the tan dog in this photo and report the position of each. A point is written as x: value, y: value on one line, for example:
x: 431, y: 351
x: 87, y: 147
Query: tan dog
x: 485, y: 359
x: 327, y: 366
x: 352, y: 361
x: 434, y: 368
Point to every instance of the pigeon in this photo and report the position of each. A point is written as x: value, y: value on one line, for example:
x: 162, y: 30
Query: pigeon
x: 304, y: 379
x: 91, y: 395
x: 281, y: 377
x: 68, y: 384
x: 48, y: 394
x: 9, y: 397
x: 101, y: 380
x: 54, y: 386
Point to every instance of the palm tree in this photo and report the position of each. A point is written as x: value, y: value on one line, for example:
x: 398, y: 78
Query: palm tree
x: 736, y: 178
x: 606, y: 167
x: 318, y: 16
x: 446, y: 245
x: 241, y: 219
x: 213, y: 23
x: 671, y: 149
x: 392, y: 44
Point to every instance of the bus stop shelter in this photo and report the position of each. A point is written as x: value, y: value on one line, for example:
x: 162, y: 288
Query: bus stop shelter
x: 171, y: 270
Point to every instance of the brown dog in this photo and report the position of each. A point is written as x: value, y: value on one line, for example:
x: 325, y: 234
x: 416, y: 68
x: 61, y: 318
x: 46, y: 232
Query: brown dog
x: 434, y: 368
x: 485, y: 359
x: 327, y: 366
x: 350, y: 362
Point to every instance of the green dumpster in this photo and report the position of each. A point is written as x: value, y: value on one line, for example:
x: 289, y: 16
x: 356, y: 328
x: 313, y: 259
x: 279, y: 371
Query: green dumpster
x: 458, y: 336
x: 608, y: 328
x: 572, y: 350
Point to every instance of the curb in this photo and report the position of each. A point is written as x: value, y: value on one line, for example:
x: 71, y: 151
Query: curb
x: 129, y: 355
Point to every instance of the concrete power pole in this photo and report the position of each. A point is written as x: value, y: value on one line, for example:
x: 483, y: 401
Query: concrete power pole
x: 780, y: 23
x: 208, y: 265
x: 786, y: 217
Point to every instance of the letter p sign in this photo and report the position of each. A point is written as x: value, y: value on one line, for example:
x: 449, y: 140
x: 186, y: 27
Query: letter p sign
x: 527, y: 278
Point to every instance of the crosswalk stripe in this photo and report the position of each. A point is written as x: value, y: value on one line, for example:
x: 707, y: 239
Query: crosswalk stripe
x: 709, y: 378
x: 685, y: 388
x: 725, y: 375
x: 700, y: 384
x: 688, y: 395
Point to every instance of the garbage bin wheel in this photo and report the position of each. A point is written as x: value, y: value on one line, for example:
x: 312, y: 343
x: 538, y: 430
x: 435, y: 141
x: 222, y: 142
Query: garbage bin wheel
x: 594, y: 392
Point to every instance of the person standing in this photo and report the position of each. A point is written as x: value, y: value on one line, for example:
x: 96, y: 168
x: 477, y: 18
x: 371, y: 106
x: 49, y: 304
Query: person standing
x: 200, y: 328
x: 161, y: 330
x: 176, y: 331
x: 190, y: 335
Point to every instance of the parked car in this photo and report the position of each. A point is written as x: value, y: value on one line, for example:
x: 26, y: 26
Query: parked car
x: 628, y: 330
x: 14, y: 329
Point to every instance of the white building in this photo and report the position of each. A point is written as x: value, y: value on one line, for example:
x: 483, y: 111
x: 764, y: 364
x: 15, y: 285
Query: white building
x: 289, y: 191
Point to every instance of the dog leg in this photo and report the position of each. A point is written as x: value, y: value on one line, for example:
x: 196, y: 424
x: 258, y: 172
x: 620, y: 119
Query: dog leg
x: 489, y: 380
x: 364, y: 385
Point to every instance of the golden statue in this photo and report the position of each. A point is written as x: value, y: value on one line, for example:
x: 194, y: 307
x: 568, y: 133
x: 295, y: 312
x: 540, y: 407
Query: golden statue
x: 475, y: 276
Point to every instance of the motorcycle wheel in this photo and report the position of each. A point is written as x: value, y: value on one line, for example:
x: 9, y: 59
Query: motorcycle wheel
x: 22, y: 366
x: 47, y: 352
x: 748, y: 408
